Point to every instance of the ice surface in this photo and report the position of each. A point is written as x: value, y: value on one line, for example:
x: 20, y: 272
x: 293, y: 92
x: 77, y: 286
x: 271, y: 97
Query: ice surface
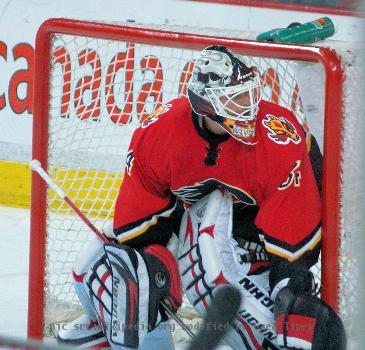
x: 14, y: 230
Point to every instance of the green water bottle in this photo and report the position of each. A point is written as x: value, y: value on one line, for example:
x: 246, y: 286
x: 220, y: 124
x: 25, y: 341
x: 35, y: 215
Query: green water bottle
x: 296, y: 33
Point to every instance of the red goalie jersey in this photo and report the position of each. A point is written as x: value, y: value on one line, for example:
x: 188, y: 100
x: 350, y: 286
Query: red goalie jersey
x: 165, y: 161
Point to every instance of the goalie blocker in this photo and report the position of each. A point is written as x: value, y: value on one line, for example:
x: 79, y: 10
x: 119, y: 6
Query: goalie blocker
x: 121, y: 289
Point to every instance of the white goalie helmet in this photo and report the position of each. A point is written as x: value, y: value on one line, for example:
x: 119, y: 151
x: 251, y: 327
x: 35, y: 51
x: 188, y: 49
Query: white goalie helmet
x: 223, y: 88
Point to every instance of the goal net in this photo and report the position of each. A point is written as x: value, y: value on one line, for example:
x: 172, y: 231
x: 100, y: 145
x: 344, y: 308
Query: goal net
x: 95, y: 82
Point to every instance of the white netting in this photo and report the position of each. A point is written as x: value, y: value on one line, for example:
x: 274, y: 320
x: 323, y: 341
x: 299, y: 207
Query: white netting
x: 352, y: 257
x: 100, y: 89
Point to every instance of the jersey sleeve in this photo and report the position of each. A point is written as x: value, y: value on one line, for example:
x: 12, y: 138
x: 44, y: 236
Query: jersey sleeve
x: 144, y: 207
x: 289, y: 215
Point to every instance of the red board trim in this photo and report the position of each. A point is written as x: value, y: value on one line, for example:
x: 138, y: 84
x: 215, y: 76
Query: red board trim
x: 329, y: 10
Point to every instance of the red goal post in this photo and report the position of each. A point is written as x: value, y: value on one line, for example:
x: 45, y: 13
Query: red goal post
x: 333, y: 107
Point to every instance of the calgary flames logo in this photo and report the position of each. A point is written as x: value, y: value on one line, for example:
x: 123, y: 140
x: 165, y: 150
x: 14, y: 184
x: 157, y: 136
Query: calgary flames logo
x: 282, y: 131
x: 191, y: 194
x: 152, y: 118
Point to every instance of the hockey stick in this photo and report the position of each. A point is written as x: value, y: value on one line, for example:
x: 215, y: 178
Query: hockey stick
x: 218, y: 318
x: 36, y: 166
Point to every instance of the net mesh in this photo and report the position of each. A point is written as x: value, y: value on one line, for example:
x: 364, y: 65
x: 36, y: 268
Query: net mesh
x: 100, y: 91
x: 352, y: 257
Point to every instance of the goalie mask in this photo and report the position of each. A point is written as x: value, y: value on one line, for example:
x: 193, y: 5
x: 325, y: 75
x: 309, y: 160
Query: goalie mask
x: 223, y: 88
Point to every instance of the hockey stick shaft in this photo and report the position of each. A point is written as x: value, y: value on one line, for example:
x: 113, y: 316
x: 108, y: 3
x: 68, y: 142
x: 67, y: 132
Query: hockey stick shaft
x: 177, y: 319
x: 36, y: 166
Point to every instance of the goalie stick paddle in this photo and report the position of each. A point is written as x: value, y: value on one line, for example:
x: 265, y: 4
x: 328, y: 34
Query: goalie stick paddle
x: 218, y: 318
x: 36, y: 166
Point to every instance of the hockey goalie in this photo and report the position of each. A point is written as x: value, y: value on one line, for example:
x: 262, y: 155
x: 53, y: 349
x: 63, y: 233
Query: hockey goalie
x: 238, y: 179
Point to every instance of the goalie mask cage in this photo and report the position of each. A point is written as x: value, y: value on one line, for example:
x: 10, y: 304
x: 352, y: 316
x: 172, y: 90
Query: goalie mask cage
x: 94, y: 82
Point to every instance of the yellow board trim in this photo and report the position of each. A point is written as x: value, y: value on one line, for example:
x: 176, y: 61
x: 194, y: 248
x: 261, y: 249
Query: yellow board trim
x: 97, y: 201
x: 93, y: 191
x: 15, y: 184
